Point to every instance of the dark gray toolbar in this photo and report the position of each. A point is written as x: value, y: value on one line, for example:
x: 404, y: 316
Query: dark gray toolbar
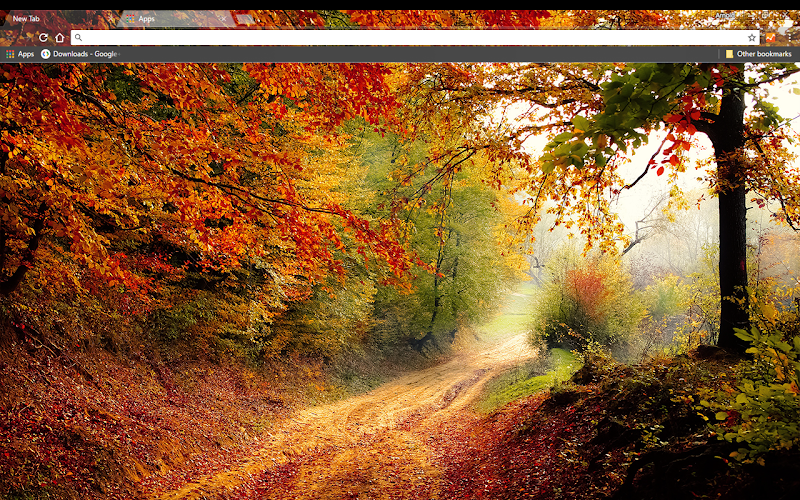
x: 399, y: 54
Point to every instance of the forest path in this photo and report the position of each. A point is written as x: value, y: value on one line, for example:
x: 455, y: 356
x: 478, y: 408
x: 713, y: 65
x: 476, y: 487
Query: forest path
x: 368, y: 446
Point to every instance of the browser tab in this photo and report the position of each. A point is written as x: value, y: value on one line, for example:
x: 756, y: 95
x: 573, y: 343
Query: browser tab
x: 729, y: 16
x: 244, y: 19
x: 41, y: 27
x: 176, y: 19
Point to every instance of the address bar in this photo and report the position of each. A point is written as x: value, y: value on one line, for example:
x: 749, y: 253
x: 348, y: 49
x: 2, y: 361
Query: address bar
x: 414, y: 37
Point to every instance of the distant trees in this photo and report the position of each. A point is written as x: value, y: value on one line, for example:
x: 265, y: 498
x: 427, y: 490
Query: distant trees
x: 457, y: 229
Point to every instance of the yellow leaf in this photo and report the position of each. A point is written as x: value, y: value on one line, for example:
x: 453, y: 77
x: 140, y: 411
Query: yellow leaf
x: 768, y: 311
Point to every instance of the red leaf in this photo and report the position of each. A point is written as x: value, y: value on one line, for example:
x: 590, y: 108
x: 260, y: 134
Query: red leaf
x: 660, y: 170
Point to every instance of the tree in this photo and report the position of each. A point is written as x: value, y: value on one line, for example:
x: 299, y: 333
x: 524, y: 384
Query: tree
x: 119, y: 174
x: 454, y: 228
x: 686, y: 99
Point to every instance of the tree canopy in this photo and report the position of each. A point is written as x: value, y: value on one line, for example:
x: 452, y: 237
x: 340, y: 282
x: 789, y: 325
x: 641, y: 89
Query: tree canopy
x: 116, y: 176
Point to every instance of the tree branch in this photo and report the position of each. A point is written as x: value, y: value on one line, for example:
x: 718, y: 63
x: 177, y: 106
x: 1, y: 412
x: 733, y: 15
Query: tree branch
x: 12, y: 282
x: 647, y: 166
x: 769, y: 80
x: 92, y: 99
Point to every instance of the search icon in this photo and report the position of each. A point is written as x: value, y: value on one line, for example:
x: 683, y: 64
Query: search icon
x: 77, y: 37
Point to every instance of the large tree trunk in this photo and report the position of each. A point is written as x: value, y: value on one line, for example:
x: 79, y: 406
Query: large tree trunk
x: 727, y: 135
x: 732, y: 268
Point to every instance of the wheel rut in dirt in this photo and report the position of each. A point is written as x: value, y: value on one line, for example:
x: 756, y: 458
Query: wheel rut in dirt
x: 369, y: 445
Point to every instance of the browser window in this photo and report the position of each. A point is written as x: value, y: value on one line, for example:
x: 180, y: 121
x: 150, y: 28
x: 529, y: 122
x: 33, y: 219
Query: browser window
x: 269, y: 210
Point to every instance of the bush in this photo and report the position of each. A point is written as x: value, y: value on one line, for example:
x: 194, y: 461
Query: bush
x: 700, y: 293
x: 588, y: 300
x: 764, y: 412
x: 666, y: 300
x: 213, y: 324
x: 665, y: 297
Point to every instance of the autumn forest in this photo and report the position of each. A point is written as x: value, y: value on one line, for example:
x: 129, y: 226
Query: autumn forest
x: 400, y: 280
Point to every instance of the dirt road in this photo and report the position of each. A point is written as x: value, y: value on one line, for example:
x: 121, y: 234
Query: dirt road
x: 369, y: 446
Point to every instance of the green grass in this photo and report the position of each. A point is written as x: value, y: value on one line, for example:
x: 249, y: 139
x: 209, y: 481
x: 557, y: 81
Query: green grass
x: 523, y: 381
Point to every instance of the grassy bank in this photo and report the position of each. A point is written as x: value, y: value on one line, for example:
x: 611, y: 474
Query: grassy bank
x: 529, y: 378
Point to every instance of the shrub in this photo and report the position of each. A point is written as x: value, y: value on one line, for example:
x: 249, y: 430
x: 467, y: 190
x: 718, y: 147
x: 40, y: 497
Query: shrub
x: 666, y: 300
x: 763, y: 413
x: 587, y: 300
x: 213, y: 324
x: 702, y: 304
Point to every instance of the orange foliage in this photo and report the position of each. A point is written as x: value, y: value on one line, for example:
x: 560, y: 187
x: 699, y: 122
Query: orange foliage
x: 619, y: 19
x: 113, y: 170
x: 587, y: 288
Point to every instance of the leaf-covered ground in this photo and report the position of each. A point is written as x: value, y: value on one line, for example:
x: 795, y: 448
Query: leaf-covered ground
x: 614, y: 432
x: 96, y: 428
x: 620, y: 432
x: 91, y: 424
